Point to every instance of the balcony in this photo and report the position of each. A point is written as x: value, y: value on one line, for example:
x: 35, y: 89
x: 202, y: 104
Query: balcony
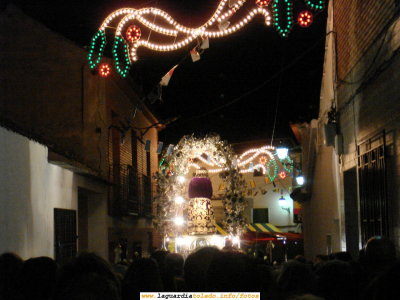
x: 131, y: 194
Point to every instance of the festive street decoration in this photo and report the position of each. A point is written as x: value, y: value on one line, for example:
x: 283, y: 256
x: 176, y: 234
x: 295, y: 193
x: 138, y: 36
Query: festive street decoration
x: 195, y: 55
x: 262, y: 3
x: 282, y: 21
x: 105, y: 69
x: 169, y: 187
x: 98, y: 42
x: 177, y: 36
x: 305, y: 18
x: 120, y: 53
x: 315, y: 4
x: 133, y: 33
x: 165, y: 80
x: 288, y: 165
x: 272, y: 165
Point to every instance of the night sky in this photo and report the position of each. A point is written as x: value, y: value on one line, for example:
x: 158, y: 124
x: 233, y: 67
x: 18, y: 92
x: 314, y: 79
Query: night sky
x: 238, y: 87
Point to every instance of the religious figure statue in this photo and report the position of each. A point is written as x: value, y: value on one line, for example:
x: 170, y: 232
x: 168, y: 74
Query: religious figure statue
x: 200, y: 212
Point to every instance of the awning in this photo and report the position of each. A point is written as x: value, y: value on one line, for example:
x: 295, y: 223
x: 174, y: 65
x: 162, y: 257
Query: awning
x: 263, y: 227
x: 256, y: 227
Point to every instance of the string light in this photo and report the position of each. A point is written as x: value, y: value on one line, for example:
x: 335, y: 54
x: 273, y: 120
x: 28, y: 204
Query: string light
x: 133, y: 33
x: 262, y: 160
x: 283, y: 17
x: 288, y: 166
x: 105, y: 70
x: 119, y: 47
x: 275, y: 169
x: 262, y: 3
x: 98, y: 36
x: 315, y: 4
x: 223, y: 12
x: 305, y: 18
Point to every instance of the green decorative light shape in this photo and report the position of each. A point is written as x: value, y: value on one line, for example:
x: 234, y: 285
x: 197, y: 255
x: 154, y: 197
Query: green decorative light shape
x: 122, y: 63
x: 288, y: 163
x: 315, y: 4
x: 99, y: 38
x: 275, y: 169
x: 282, y: 16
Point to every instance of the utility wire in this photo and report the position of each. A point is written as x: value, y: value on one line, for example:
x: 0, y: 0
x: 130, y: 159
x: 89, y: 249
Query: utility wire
x: 258, y: 87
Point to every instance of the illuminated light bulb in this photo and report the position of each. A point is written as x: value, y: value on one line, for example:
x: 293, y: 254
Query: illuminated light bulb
x: 179, y: 200
x: 181, y: 179
x: 178, y: 221
x: 105, y: 70
x: 282, y: 201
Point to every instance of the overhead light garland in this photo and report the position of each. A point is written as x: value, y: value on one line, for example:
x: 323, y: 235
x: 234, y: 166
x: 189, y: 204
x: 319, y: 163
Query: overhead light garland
x: 182, y: 36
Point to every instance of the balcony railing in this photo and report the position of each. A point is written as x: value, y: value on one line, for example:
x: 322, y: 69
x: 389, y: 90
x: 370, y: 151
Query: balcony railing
x: 132, y: 192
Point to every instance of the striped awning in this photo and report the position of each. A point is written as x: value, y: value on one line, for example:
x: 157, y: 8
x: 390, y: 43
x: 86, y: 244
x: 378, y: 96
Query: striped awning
x: 263, y: 227
x: 256, y: 227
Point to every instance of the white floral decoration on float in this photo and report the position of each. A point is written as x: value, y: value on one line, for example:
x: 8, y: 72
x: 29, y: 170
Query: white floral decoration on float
x: 176, y: 161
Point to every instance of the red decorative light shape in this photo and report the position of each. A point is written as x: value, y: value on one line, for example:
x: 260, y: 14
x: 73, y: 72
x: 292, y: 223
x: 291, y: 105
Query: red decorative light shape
x: 105, y: 70
x: 282, y: 175
x: 262, y: 160
x: 262, y: 3
x: 305, y: 18
x: 133, y: 33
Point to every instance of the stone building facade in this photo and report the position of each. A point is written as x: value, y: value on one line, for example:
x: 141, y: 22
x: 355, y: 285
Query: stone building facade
x: 73, y: 149
x: 352, y: 153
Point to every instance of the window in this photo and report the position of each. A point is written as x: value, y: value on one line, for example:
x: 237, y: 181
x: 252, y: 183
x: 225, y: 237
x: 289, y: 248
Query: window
x: 372, y: 188
x: 260, y: 215
x: 64, y: 234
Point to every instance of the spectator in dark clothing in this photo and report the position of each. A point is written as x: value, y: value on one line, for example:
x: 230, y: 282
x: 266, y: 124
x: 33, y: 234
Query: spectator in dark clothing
x: 337, y: 280
x: 195, y: 268
x: 37, y: 279
x: 175, y: 261
x: 167, y: 273
x: 295, y: 279
x: 343, y: 256
x: 142, y: 275
x: 10, y: 265
x: 159, y: 255
x: 233, y: 271
x: 385, y: 286
x: 301, y: 258
x: 87, y: 276
x: 380, y: 254
x: 376, y: 258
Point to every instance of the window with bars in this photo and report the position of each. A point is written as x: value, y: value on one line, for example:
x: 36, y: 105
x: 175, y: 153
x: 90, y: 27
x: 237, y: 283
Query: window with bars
x: 64, y: 234
x: 373, y: 188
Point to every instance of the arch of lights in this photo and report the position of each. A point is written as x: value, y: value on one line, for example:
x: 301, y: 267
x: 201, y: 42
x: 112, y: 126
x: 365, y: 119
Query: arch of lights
x: 267, y: 161
x: 176, y: 162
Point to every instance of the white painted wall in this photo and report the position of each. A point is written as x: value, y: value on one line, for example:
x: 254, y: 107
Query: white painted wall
x: 322, y: 220
x: 30, y: 189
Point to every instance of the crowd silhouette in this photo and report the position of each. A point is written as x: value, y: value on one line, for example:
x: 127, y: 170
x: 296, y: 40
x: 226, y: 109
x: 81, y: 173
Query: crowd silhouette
x: 373, y: 275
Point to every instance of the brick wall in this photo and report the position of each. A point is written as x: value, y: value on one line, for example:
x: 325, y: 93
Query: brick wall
x: 369, y: 96
x: 358, y: 24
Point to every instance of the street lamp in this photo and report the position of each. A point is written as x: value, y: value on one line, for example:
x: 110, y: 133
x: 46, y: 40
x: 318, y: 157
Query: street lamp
x: 283, y: 203
x: 300, y: 179
x: 282, y: 152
